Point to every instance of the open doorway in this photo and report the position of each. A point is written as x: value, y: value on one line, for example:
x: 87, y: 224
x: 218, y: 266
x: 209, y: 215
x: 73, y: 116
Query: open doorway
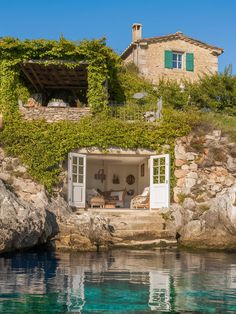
x: 117, y: 178
x: 118, y: 181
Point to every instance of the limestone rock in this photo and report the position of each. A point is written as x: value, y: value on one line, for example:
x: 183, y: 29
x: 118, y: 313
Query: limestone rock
x: 180, y: 152
x: 22, y: 225
x: 179, y: 162
x: 215, y: 227
x: 189, y: 203
x: 192, y: 230
x: 179, y: 173
x: 231, y: 164
x: 84, y: 232
x: 206, y: 166
x: 185, y: 167
x: 193, y: 166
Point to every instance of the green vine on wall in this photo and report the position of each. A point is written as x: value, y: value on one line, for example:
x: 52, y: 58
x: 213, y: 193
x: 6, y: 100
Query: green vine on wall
x: 44, y: 146
x: 102, y: 64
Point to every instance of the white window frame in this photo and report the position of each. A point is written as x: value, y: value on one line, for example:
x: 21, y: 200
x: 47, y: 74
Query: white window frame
x: 177, y: 53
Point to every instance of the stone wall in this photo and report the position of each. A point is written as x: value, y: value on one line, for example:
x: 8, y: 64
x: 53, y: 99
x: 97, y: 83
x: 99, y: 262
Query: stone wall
x: 15, y: 175
x: 205, y: 167
x: 204, y: 215
x: 150, y: 60
x: 54, y: 114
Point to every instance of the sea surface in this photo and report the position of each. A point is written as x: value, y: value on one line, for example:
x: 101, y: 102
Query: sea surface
x: 120, y: 281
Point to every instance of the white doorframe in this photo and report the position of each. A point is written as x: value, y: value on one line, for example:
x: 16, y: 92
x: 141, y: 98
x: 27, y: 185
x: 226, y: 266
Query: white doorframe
x: 77, y: 180
x: 160, y: 181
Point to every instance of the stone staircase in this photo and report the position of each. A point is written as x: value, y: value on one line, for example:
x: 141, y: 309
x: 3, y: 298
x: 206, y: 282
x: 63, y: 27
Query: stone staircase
x: 138, y: 228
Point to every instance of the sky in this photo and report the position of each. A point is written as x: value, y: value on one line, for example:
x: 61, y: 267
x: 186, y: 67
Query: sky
x: 211, y: 21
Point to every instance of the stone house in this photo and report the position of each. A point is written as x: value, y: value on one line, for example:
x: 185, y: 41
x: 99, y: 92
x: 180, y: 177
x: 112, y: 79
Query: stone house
x: 175, y: 56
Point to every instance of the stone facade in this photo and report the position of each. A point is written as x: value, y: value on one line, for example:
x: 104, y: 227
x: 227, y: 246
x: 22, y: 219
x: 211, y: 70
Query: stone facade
x: 54, y: 114
x: 148, y: 54
x: 150, y: 61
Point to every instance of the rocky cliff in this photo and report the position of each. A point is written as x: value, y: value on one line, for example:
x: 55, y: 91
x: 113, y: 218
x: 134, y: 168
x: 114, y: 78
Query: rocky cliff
x: 29, y: 216
x: 204, y: 213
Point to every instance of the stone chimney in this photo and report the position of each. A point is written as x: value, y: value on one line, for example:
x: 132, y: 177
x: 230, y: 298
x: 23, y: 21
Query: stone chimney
x: 136, y: 32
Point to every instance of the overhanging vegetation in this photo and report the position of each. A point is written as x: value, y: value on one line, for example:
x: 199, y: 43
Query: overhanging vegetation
x: 43, y: 147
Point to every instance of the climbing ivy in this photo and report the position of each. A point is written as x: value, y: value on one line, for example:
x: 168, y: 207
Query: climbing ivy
x: 102, y: 65
x: 43, y: 146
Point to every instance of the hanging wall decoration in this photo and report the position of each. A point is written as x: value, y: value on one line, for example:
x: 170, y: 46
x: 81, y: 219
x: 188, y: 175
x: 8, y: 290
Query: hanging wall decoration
x: 100, y: 175
x: 115, y: 179
x: 130, y: 179
x: 142, y: 170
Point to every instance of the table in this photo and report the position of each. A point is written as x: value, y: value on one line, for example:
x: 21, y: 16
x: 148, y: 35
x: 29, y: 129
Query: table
x: 110, y: 204
x: 97, y: 202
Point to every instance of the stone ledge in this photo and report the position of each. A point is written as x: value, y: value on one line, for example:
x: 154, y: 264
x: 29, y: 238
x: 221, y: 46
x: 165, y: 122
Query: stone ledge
x: 54, y: 114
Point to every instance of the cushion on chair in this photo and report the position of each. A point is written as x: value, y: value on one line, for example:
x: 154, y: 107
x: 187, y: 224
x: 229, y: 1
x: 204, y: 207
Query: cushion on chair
x: 146, y: 191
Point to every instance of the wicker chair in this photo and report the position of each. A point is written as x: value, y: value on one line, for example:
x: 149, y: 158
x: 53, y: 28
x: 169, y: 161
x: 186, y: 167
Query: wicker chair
x: 142, y: 200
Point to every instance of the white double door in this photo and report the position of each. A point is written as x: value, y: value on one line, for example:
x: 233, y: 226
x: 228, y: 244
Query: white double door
x: 159, y: 181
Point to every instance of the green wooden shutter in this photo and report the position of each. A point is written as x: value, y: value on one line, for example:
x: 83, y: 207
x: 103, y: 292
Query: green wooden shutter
x: 168, y: 59
x: 189, y: 62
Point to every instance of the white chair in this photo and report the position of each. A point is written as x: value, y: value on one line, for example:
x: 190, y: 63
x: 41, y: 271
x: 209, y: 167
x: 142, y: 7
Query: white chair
x: 142, y: 200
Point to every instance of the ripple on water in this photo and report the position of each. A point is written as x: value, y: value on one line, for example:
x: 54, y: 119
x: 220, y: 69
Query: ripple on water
x: 147, y: 281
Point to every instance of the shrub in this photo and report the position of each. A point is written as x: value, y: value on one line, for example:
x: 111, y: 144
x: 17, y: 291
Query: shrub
x: 43, y: 146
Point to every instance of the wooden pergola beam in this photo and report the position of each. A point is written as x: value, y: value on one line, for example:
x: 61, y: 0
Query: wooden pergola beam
x: 36, y: 77
x: 68, y: 87
x: 29, y: 78
x: 55, y: 76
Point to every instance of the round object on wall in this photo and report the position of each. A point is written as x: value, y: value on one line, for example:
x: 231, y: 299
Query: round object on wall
x: 130, y: 179
x: 130, y: 192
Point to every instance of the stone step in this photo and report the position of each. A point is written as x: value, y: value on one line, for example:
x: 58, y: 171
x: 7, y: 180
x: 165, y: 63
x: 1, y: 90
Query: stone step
x: 134, y: 227
x: 145, y: 226
x: 146, y: 218
x: 132, y: 217
x: 147, y: 244
x: 142, y: 235
x: 119, y: 213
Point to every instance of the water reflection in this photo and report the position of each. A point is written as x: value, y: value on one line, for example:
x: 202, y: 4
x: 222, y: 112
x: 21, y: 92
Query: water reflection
x: 118, y: 281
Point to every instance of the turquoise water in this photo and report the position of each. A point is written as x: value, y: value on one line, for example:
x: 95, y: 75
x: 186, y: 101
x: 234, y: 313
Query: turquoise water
x: 156, y: 281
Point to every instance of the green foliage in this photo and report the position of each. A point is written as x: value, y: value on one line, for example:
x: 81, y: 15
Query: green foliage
x: 8, y: 86
x: 182, y: 197
x: 216, y: 92
x: 132, y: 111
x: 129, y: 82
x: 224, y: 122
x: 212, y: 92
x: 43, y: 146
x: 102, y: 62
x: 173, y: 95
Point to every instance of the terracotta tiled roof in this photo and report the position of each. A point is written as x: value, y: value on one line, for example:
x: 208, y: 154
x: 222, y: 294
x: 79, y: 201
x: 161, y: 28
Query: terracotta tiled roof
x: 177, y: 35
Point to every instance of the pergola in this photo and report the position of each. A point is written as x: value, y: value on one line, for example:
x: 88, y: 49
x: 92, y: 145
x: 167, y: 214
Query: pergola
x: 46, y: 77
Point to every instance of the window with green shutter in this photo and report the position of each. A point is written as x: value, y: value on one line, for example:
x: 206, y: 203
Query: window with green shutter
x: 168, y: 59
x: 189, y: 62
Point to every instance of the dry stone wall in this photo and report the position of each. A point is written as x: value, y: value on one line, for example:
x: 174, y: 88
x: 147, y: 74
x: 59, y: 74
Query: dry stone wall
x: 54, y: 114
x: 205, y: 167
x: 204, y: 212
